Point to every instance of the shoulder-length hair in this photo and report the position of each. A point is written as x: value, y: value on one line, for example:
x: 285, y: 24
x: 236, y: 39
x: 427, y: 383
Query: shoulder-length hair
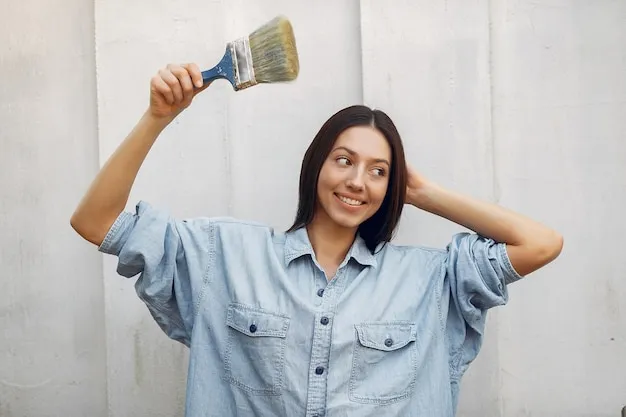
x: 381, y: 226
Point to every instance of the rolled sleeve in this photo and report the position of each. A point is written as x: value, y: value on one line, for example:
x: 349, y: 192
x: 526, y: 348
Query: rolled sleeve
x: 117, y: 234
x: 478, y: 271
x: 170, y: 257
x: 511, y: 275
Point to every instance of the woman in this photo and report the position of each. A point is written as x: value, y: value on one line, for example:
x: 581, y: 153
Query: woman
x: 328, y: 318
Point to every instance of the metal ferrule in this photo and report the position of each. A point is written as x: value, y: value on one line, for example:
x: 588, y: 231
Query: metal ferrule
x: 242, y: 63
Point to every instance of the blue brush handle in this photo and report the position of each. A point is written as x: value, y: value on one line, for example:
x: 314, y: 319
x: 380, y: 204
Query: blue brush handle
x: 224, y: 69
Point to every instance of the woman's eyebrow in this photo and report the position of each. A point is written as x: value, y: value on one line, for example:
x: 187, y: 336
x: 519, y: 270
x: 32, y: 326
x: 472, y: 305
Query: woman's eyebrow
x: 351, y: 152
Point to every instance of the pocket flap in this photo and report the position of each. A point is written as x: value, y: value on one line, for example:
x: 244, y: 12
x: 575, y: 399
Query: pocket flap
x: 256, y: 322
x: 386, y: 336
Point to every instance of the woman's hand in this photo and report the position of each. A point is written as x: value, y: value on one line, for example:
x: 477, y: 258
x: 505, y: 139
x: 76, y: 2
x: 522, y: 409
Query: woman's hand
x: 416, y: 183
x: 173, y: 88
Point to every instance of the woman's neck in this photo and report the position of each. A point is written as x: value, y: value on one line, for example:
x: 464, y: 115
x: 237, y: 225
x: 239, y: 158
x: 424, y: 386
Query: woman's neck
x: 330, y: 243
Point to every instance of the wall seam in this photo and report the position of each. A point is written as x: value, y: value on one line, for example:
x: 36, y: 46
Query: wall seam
x: 99, y: 164
x: 495, y: 184
x: 359, y: 7
x: 494, y: 171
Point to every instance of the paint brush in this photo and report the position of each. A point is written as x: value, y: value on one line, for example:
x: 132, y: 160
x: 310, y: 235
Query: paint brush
x: 267, y: 55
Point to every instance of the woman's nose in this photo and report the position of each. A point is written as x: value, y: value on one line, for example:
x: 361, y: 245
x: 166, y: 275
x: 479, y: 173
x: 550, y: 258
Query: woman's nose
x: 355, y: 181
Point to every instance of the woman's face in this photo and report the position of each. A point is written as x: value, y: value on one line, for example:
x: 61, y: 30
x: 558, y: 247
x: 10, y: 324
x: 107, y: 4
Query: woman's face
x: 353, y: 180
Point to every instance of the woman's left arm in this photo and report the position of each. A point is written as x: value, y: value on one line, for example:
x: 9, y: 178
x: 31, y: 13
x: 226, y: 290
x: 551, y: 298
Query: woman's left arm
x: 530, y: 245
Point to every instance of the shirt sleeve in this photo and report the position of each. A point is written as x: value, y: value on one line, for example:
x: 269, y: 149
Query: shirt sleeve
x: 477, y: 272
x: 171, y: 257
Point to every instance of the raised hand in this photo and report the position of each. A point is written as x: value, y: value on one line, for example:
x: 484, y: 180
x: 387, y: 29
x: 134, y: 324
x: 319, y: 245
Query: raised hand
x: 173, y: 88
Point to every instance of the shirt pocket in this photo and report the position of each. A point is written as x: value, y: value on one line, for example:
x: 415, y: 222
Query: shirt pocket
x: 255, y: 349
x: 384, y: 362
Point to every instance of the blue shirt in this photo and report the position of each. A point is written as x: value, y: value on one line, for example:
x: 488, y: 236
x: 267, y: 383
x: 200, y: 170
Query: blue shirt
x: 391, y: 334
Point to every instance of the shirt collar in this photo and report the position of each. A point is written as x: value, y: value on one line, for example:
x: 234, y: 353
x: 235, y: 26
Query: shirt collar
x: 297, y: 244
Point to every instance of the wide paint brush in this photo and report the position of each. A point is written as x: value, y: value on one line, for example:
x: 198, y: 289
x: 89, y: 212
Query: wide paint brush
x: 267, y: 55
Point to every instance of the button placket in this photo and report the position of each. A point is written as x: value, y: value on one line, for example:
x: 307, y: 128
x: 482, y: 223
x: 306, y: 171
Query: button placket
x: 321, y: 284
x: 320, y: 353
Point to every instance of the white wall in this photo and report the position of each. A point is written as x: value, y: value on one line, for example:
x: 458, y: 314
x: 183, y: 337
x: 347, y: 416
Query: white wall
x: 52, y: 340
x: 517, y: 102
x: 559, y: 101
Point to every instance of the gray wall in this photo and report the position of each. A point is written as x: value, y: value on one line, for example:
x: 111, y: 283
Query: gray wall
x: 52, y: 316
x: 517, y: 102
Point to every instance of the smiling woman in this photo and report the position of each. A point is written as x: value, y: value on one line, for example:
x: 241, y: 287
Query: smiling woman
x: 353, y: 177
x: 329, y: 317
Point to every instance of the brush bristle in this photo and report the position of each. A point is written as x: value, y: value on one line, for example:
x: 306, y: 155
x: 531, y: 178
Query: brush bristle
x: 274, y: 52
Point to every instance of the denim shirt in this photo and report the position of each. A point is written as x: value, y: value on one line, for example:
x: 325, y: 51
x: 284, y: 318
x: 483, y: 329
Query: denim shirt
x: 391, y: 334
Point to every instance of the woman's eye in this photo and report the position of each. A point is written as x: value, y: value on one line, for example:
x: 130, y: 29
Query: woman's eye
x: 379, y: 172
x: 343, y: 160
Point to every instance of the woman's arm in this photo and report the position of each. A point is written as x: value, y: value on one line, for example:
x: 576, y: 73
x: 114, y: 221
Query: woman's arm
x: 171, y: 91
x: 530, y: 245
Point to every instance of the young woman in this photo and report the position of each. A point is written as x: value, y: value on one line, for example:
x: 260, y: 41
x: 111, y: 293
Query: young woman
x: 328, y: 318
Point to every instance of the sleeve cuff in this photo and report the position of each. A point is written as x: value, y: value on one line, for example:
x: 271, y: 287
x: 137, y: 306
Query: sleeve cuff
x: 511, y: 275
x: 112, y: 243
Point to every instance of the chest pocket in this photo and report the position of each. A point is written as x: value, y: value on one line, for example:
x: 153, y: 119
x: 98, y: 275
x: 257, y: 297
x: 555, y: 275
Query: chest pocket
x: 384, y: 362
x: 255, y: 350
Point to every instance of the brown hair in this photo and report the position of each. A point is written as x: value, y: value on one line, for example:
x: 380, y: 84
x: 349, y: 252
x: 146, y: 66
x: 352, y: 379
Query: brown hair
x: 381, y: 226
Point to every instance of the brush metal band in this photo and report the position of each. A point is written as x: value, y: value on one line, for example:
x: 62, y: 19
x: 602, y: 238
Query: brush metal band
x: 243, y: 65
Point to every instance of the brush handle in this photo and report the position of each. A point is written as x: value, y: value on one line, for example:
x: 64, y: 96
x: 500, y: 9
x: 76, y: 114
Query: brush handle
x: 224, y: 69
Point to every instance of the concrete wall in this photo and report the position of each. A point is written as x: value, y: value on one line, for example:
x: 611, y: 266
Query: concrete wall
x: 52, y: 339
x: 517, y: 102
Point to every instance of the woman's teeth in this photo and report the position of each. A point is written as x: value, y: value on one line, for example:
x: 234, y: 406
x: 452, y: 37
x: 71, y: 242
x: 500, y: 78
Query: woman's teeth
x: 350, y: 201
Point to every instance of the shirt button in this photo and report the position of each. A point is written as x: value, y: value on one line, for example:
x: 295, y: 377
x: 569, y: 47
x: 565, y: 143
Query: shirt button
x: 388, y: 342
x: 320, y: 292
x: 324, y: 321
x: 319, y: 370
x: 252, y: 328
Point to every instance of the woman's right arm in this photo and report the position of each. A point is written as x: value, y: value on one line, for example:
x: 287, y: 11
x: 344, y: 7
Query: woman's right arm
x: 171, y: 91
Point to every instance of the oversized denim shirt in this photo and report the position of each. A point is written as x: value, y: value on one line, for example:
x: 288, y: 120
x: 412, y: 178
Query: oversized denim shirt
x: 391, y: 334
